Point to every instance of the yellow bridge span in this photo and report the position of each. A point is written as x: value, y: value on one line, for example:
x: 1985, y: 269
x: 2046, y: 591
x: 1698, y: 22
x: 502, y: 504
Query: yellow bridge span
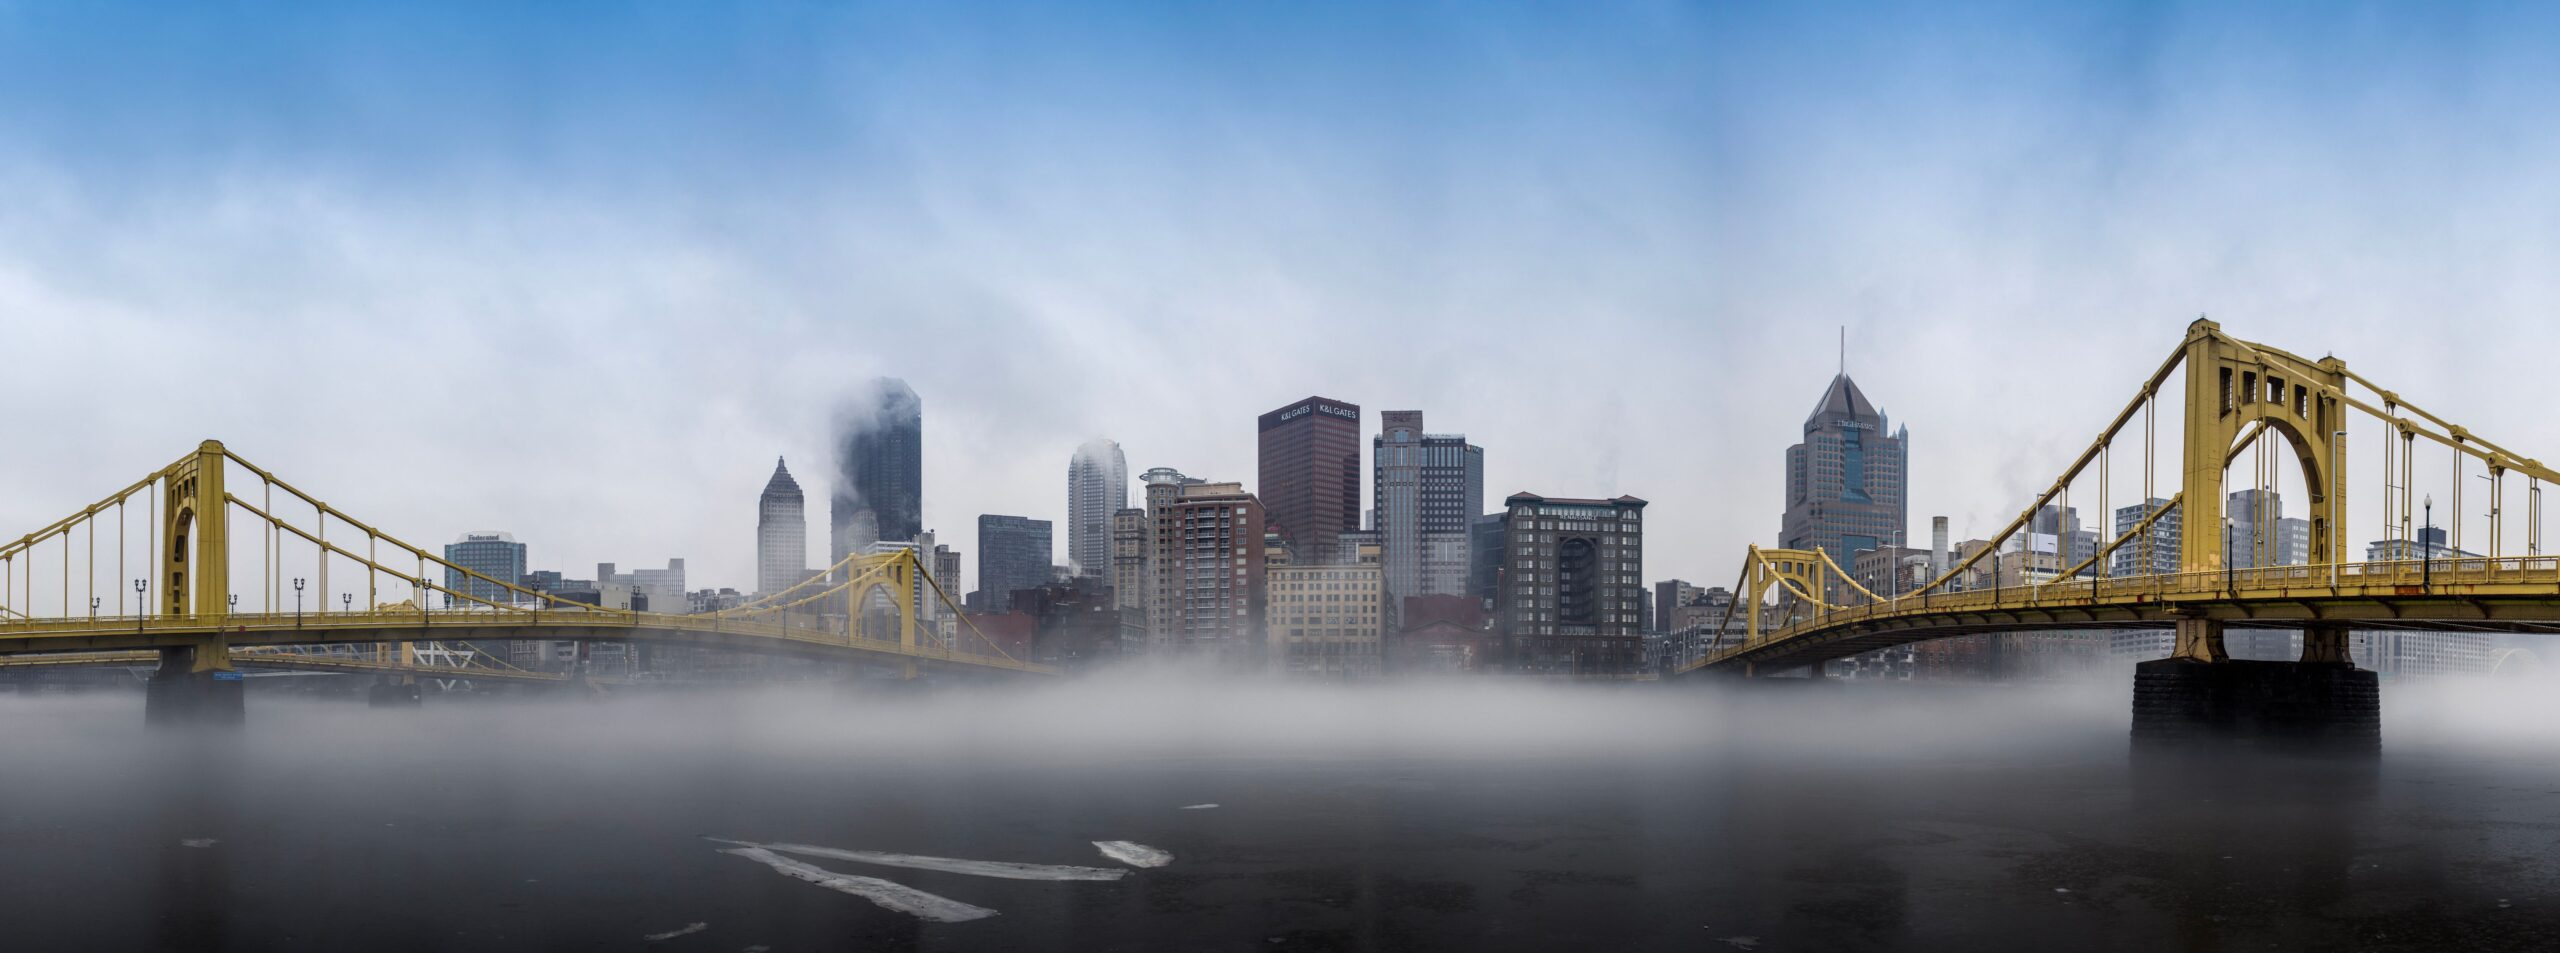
x: 198, y: 537
x: 2229, y: 399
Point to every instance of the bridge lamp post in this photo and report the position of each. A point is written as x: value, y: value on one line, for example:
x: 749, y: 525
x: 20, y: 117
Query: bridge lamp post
x: 2427, y: 546
x: 139, y: 587
x: 297, y: 602
x: 93, y: 608
x: 235, y: 606
x: 2337, y: 525
x: 347, y: 601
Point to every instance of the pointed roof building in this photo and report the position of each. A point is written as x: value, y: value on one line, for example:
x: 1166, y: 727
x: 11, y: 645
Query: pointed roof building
x: 1846, y: 482
x: 782, y: 533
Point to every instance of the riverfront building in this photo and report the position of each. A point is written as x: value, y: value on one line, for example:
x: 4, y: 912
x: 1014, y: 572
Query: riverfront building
x: 1570, y: 581
x: 1328, y: 618
x: 1205, y: 560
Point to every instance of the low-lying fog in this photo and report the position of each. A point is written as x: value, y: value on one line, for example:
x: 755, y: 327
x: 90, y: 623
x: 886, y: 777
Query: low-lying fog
x: 1205, y: 813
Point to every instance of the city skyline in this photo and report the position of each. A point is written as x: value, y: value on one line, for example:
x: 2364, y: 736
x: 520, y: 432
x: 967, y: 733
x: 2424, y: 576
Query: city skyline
x: 1661, y: 218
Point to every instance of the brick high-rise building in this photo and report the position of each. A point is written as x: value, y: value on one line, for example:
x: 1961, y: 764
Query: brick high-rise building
x: 1206, y: 562
x: 1129, y: 562
x: 1310, y: 473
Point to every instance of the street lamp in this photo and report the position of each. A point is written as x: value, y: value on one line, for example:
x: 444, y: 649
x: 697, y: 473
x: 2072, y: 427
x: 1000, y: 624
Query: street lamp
x: 423, y: 611
x: 93, y: 608
x: 139, y: 586
x: 235, y: 607
x: 347, y: 601
x: 297, y: 602
x: 2427, y: 545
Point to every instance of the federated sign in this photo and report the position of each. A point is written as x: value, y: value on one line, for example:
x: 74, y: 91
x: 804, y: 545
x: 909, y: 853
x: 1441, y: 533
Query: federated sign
x: 226, y: 676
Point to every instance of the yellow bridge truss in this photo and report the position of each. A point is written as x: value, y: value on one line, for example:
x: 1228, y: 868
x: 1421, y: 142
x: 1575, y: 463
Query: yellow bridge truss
x: 180, y: 531
x: 2235, y: 395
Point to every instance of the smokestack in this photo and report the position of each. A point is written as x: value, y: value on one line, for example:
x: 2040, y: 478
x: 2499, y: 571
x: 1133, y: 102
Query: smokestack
x: 1937, y: 546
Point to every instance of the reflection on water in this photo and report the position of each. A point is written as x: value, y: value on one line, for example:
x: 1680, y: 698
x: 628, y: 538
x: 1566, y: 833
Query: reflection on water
x: 1449, y: 816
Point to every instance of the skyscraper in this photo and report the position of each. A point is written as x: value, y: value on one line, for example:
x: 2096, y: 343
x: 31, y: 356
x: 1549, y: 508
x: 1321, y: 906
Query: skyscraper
x: 1310, y: 473
x: 1427, y: 488
x: 782, y: 533
x: 1097, y: 486
x: 1013, y: 553
x: 879, y: 444
x: 1845, y: 482
x: 495, y: 556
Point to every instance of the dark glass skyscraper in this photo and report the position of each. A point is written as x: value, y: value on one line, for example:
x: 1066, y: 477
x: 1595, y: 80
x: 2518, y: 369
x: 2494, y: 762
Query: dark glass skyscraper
x: 1310, y: 473
x: 879, y: 445
x: 1013, y: 553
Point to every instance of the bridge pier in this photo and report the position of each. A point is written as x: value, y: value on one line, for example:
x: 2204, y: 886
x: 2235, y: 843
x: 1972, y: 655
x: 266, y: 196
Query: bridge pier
x: 391, y: 691
x: 194, y: 686
x: 2322, y: 701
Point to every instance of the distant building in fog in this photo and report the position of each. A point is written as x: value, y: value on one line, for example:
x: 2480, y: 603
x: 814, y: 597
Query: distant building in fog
x: 782, y: 533
x: 1097, y: 487
x: 879, y: 445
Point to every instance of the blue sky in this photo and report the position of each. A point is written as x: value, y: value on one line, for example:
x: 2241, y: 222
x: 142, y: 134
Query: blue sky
x: 581, y: 271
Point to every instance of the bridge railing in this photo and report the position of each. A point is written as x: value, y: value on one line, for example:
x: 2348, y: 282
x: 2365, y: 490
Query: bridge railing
x: 2446, y: 575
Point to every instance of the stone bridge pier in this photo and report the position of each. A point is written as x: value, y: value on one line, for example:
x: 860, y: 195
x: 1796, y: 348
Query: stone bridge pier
x: 195, y: 685
x: 2322, y: 700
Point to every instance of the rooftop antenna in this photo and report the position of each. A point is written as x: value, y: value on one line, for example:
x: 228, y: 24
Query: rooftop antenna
x: 1844, y: 350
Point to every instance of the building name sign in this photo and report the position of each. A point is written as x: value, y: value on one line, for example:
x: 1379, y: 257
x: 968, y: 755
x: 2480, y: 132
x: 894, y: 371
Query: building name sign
x: 1329, y: 410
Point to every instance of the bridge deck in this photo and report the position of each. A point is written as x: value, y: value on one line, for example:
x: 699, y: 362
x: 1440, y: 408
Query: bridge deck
x: 2514, y: 594
x: 255, y: 629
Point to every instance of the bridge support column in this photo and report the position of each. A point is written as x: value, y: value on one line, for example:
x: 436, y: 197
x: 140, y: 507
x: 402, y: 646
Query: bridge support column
x: 194, y: 686
x: 393, y: 691
x: 2326, y: 705
x: 2326, y: 644
x: 2200, y: 640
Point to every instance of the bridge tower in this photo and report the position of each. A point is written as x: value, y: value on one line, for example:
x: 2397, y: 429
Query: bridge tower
x: 196, y: 683
x: 2236, y: 393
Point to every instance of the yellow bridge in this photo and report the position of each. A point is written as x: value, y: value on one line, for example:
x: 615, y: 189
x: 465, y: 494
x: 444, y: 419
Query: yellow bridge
x: 2233, y: 397
x: 186, y: 539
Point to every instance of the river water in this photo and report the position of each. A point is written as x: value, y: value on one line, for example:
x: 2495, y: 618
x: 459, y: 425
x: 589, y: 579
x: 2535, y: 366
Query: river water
x: 1406, y: 817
